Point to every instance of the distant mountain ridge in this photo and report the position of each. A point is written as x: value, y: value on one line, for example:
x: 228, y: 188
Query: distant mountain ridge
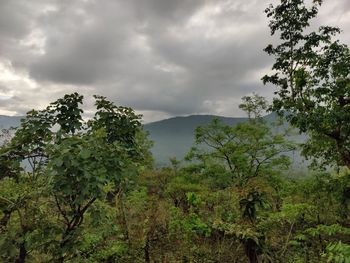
x: 7, y: 122
x: 172, y: 137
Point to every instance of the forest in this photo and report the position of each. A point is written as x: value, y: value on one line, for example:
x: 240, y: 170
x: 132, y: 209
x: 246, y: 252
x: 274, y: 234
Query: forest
x: 77, y: 189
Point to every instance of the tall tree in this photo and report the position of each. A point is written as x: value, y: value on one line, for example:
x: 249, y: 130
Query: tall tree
x: 312, y: 73
x: 73, y: 163
x: 247, y: 150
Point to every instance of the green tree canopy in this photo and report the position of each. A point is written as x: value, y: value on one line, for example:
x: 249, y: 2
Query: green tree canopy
x: 72, y: 163
x: 248, y: 149
x: 312, y: 73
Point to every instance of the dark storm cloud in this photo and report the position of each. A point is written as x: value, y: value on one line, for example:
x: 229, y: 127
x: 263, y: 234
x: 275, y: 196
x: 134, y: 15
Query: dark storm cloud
x: 168, y: 57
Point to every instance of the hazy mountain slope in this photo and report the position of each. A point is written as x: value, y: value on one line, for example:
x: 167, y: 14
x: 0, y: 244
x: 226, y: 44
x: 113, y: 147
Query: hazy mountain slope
x: 174, y: 137
x: 9, y: 121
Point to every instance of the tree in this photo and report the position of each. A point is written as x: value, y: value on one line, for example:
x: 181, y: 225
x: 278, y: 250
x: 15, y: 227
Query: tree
x: 254, y: 106
x: 72, y: 164
x: 312, y: 73
x: 247, y: 150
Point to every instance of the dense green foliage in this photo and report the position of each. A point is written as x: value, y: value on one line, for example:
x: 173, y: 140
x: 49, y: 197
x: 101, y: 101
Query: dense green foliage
x: 75, y: 190
x: 312, y: 72
x: 89, y: 193
x: 57, y: 168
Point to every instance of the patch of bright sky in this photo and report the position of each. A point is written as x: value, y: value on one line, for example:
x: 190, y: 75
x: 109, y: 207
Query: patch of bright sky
x: 9, y: 76
x: 210, y: 21
x: 35, y: 42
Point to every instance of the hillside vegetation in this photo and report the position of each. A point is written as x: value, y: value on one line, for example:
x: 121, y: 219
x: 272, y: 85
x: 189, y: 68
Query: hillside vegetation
x: 91, y: 191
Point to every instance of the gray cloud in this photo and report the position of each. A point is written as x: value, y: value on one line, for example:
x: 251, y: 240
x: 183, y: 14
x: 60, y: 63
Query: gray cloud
x: 162, y: 57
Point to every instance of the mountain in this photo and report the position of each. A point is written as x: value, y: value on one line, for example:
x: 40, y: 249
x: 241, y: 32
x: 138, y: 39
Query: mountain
x: 174, y: 137
x: 9, y: 121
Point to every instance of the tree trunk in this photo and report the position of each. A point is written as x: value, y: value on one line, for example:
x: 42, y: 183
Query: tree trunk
x: 146, y: 251
x: 251, y: 251
x: 22, y: 253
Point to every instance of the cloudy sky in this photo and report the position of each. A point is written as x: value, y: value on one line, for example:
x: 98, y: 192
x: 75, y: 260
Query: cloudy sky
x: 161, y: 57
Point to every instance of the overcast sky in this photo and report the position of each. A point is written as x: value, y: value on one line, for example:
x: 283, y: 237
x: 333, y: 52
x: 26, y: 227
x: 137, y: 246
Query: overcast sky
x: 161, y: 57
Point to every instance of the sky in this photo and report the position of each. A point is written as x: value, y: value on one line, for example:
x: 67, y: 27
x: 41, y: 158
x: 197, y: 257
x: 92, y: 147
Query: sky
x: 163, y: 58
